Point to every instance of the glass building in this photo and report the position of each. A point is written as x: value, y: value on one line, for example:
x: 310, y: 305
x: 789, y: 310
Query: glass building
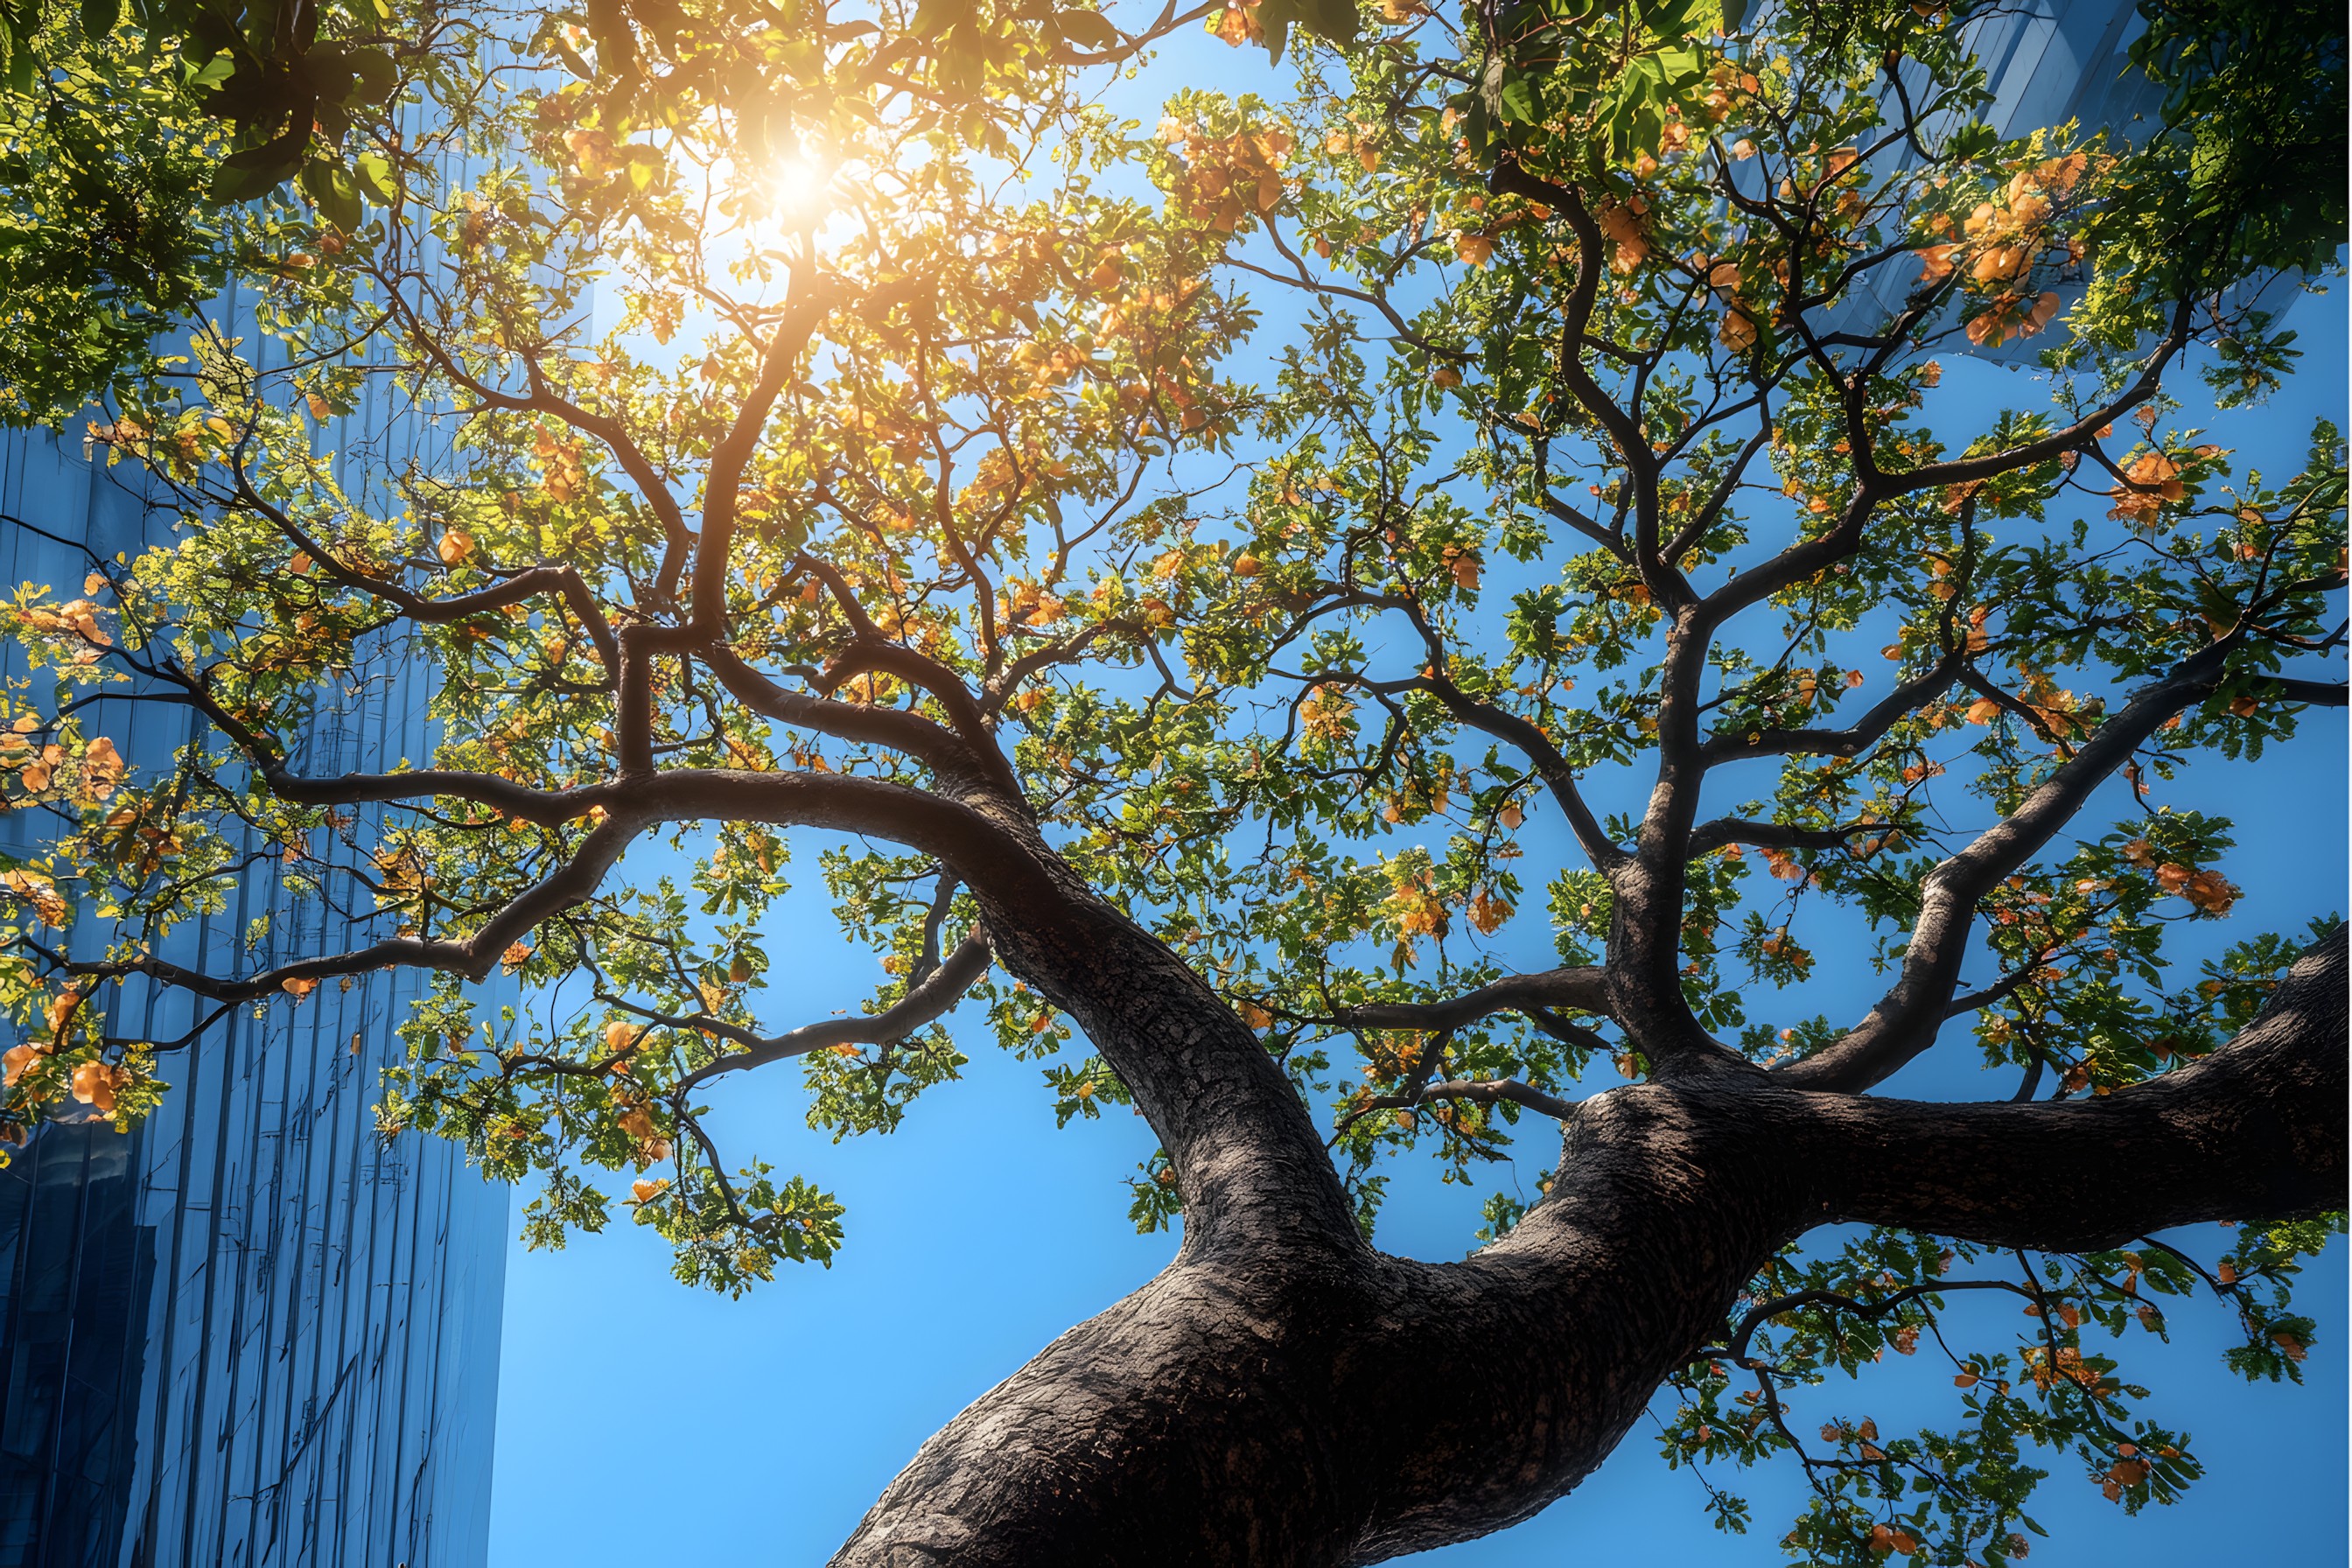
x: 2047, y: 63
x: 250, y: 1332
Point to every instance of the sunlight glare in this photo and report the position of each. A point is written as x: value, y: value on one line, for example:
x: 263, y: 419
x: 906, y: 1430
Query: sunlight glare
x: 801, y: 187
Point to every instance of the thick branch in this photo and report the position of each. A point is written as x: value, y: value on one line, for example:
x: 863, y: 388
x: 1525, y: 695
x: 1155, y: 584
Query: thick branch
x: 981, y: 853
x: 2253, y: 1131
x: 723, y: 482
x: 1119, y: 1444
x: 935, y: 745
x: 878, y: 655
x: 1248, y: 1159
x: 1585, y: 990
x: 2318, y: 693
x: 546, y: 807
x: 1488, y: 1091
x: 1905, y: 1020
x: 1711, y: 835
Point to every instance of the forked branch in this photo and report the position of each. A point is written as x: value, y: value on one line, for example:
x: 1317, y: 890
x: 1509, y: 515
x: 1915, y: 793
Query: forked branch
x: 1906, y: 1019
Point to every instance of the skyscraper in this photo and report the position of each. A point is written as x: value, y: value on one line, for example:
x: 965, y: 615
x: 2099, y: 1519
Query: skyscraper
x: 2047, y: 63
x: 250, y: 1331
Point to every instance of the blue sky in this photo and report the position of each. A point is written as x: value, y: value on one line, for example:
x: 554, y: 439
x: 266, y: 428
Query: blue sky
x: 641, y: 1421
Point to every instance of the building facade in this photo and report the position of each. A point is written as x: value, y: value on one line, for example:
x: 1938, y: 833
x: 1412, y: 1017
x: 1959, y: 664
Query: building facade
x: 250, y: 1332
x: 2048, y: 63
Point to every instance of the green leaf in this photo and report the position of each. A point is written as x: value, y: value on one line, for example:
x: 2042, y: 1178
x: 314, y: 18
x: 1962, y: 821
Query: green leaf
x: 373, y: 75
x: 376, y: 179
x: 1086, y: 30
x: 1517, y: 100
x: 934, y: 18
x: 234, y: 182
x: 337, y: 197
x: 1333, y: 19
x: 213, y: 72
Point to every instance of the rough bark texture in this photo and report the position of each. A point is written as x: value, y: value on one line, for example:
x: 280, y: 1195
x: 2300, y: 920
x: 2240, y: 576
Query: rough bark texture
x: 1282, y: 1394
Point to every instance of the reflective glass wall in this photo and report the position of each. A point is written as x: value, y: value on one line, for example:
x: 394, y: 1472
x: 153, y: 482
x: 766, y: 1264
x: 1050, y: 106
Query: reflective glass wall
x: 250, y: 1332
x: 2047, y: 62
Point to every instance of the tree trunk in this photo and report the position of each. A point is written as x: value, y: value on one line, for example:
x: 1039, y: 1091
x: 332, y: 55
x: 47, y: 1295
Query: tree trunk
x: 1284, y: 1395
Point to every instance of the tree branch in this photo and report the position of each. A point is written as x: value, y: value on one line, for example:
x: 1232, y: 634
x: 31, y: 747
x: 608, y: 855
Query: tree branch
x: 1712, y: 836
x: 936, y: 993
x: 1862, y: 733
x: 723, y: 479
x: 2254, y: 1131
x: 1812, y: 556
x: 1484, y: 1092
x: 982, y: 852
x: 543, y: 399
x: 1583, y: 990
x: 546, y: 807
x: 513, y: 588
x: 1904, y: 1021
x: 935, y: 745
x: 1553, y: 767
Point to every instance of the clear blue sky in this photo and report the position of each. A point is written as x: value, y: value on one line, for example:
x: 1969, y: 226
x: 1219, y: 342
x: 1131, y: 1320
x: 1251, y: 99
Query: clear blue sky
x: 642, y: 1422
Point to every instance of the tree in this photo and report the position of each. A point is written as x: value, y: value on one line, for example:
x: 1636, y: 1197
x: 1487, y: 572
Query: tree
x: 940, y: 492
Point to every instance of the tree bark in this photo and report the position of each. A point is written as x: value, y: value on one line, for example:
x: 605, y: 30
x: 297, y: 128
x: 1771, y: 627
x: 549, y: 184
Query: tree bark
x: 1282, y: 1394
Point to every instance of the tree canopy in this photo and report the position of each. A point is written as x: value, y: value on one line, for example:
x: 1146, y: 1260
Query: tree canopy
x: 1200, y: 577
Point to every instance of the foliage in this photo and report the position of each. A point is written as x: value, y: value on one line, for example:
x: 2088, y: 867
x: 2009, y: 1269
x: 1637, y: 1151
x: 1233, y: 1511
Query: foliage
x: 835, y: 397
x: 2255, y: 95
x: 104, y: 241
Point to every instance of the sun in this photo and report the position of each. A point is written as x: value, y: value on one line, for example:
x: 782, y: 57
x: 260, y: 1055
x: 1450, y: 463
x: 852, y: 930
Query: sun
x: 802, y: 187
